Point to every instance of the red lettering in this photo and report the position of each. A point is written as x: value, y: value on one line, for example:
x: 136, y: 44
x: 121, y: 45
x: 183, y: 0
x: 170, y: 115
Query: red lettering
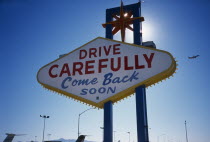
x: 137, y: 66
x: 100, y: 65
x: 77, y: 67
x: 65, y: 69
x: 126, y: 64
x: 92, y: 52
x: 107, y: 51
x: 50, y: 71
x: 88, y: 66
x: 82, y: 56
x: 99, y: 51
x: 115, y: 49
x: 118, y: 64
x: 149, y: 60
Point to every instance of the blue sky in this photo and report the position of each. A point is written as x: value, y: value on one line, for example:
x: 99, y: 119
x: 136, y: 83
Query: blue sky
x: 35, y: 32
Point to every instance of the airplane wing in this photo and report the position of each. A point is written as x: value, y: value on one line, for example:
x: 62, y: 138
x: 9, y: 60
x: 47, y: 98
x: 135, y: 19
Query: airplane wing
x: 9, y: 137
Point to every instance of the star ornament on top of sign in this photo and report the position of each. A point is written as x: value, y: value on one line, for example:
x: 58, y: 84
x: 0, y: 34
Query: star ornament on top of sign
x: 122, y: 22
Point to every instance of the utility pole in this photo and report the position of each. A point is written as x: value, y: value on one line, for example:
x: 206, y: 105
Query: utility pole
x: 186, y: 131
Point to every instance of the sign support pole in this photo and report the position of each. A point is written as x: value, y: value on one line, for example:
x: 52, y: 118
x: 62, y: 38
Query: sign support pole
x: 141, y: 107
x: 108, y: 122
x: 108, y: 109
x: 141, y: 110
x: 141, y: 113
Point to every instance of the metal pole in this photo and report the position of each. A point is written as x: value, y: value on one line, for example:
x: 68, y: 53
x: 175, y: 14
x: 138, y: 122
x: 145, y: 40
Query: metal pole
x: 79, y: 119
x: 142, y: 128
x: 186, y: 131
x: 108, y: 122
x: 102, y: 133
x: 135, y: 8
x: 108, y: 110
x: 109, y: 26
x: 158, y: 137
x: 44, y: 117
x: 43, y: 130
x: 137, y: 35
x: 48, y: 136
x: 78, y: 124
x: 129, y: 135
x: 141, y: 107
x: 114, y: 136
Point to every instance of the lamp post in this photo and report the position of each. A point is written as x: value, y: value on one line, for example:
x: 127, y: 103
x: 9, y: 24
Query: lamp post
x: 102, y: 133
x: 186, y: 130
x: 114, y: 135
x: 129, y: 135
x: 160, y: 136
x: 79, y: 118
x: 44, y: 117
x: 48, y: 136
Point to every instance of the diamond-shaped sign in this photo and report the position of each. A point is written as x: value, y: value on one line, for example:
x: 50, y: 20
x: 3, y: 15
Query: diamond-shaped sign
x: 106, y: 70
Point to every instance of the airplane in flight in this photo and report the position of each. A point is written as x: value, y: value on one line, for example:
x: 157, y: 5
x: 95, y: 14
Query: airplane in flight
x: 193, y: 57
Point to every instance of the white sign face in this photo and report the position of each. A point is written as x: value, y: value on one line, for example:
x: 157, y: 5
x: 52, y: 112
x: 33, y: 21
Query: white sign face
x: 106, y: 70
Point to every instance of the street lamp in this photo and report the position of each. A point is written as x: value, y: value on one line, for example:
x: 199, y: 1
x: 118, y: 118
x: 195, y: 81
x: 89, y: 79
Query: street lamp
x: 160, y: 136
x: 44, y: 117
x: 129, y: 135
x: 79, y: 118
x: 186, y: 130
x: 48, y: 136
x: 114, y: 135
x: 102, y: 133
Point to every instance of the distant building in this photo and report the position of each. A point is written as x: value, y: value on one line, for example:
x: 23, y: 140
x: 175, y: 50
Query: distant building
x: 149, y: 44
